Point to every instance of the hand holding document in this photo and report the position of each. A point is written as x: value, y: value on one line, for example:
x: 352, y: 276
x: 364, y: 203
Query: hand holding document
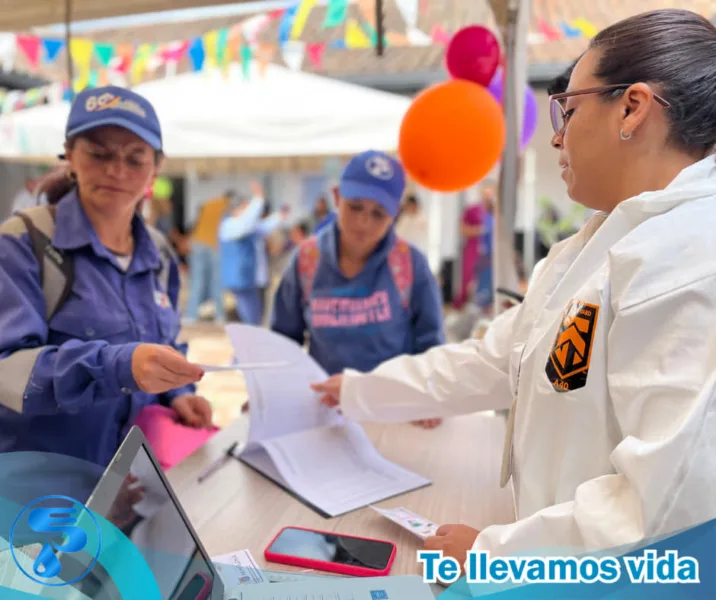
x: 307, y: 448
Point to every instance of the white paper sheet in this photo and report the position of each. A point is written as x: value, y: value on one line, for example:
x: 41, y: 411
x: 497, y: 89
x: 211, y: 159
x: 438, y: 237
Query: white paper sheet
x: 281, y: 402
x: 410, y: 521
x: 243, y: 367
x: 337, y: 469
x: 238, y: 568
x: 300, y: 443
x: 353, y: 588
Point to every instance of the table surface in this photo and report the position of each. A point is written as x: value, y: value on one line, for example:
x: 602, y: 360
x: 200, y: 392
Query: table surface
x: 236, y: 508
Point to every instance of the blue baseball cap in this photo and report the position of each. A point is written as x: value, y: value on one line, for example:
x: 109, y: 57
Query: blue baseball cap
x: 374, y: 175
x: 112, y: 105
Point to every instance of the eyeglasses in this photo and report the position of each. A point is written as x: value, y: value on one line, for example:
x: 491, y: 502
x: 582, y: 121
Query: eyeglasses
x: 560, y: 117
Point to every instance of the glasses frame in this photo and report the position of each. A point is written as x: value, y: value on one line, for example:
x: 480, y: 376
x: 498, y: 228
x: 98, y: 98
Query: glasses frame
x: 554, y: 99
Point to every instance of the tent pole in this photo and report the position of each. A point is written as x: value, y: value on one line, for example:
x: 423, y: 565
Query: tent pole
x: 379, y: 27
x: 515, y: 78
x: 68, y: 38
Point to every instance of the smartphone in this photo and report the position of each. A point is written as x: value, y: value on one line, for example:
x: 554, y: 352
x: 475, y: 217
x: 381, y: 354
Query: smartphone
x: 332, y: 552
x: 198, y: 588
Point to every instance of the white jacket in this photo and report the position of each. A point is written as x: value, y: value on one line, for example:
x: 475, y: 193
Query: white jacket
x: 624, y: 449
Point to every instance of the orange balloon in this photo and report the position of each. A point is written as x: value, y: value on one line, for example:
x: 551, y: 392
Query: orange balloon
x: 452, y: 135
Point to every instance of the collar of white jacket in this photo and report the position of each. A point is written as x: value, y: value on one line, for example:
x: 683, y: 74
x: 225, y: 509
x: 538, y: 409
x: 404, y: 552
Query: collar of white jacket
x: 694, y: 182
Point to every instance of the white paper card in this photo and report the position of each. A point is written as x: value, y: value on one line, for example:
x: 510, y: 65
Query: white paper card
x: 407, y: 519
x: 238, y: 568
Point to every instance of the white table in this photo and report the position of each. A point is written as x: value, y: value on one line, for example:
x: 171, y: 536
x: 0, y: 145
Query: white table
x: 237, y: 508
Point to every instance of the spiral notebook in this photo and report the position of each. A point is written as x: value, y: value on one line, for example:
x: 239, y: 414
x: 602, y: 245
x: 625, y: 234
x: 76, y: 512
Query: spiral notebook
x: 309, y: 450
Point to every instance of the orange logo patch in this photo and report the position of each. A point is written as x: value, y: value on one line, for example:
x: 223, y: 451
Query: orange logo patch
x: 568, y: 362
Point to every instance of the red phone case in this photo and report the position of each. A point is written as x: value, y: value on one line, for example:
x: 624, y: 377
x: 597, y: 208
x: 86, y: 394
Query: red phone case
x: 329, y: 566
x: 205, y: 592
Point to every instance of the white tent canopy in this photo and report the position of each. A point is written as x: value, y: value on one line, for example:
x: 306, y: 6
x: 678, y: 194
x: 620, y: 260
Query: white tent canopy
x: 206, y: 114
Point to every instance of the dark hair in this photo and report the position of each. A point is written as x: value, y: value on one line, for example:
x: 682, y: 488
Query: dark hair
x: 560, y: 84
x: 675, y: 50
x: 304, y: 227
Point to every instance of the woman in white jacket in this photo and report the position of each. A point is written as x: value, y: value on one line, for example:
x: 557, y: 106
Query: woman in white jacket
x: 608, y: 365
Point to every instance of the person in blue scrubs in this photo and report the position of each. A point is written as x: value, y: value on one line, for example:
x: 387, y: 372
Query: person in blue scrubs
x: 354, y: 315
x: 73, y: 385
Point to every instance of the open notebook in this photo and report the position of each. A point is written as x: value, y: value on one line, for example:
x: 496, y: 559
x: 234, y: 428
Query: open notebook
x: 310, y: 450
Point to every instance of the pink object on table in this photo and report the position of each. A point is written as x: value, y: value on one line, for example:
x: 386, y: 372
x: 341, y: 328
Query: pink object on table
x: 170, y: 440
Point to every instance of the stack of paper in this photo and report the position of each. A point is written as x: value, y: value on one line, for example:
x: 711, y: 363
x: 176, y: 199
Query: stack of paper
x: 308, y: 449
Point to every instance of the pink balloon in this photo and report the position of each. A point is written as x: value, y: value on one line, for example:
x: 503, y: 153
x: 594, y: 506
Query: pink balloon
x: 473, y: 54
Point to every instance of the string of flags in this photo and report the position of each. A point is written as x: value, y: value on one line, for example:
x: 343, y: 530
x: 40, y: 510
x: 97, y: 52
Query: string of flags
x: 97, y: 63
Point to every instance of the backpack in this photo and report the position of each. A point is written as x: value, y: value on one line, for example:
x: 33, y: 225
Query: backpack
x: 400, y: 262
x: 57, y: 267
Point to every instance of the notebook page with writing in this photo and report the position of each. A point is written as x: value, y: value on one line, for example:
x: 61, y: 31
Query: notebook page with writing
x: 337, y: 469
x: 281, y: 400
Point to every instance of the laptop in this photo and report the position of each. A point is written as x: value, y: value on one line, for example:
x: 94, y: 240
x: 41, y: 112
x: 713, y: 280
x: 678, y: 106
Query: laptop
x: 155, y: 522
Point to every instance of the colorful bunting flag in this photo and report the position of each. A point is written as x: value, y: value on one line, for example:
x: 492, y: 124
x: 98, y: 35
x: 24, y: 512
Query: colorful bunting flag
x: 367, y: 11
x: 549, y: 32
x: 253, y: 26
x: 265, y: 55
x: 335, y: 13
x: 397, y: 39
x: 81, y: 52
x: 141, y: 61
x: 105, y: 53
x: 315, y: 54
x: 409, y: 11
x: 197, y: 54
x: 52, y: 48
x: 30, y: 46
x: 293, y: 53
x: 222, y: 41
x: 211, y: 40
x: 284, y: 29
x: 355, y: 36
x: 439, y: 35
x: 585, y: 27
x: 246, y: 60
x: 8, y: 51
x: 299, y: 22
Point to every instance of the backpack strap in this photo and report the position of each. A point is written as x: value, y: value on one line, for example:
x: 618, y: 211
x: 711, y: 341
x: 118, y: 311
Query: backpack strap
x: 166, y: 256
x: 400, y: 261
x: 308, y: 257
x: 56, y: 267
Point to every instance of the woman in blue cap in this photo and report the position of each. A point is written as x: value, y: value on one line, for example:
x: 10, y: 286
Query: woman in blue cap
x: 88, y: 319
x: 357, y: 292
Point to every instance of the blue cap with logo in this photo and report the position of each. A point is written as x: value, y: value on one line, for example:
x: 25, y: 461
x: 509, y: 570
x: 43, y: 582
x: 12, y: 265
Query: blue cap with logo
x: 374, y: 175
x: 112, y: 105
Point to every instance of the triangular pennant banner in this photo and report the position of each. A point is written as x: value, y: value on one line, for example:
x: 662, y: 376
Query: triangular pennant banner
x: 299, y: 22
x: 253, y: 26
x: 246, y: 60
x: 81, y: 52
x: 585, y: 27
x: 52, y: 47
x: 211, y: 40
x: 284, y: 29
x: 265, y: 55
x: 550, y: 33
x: 397, y: 39
x: 439, y: 35
x: 122, y: 62
x: 315, y: 54
x: 409, y: 10
x: 367, y: 11
x: 418, y: 38
x: 93, y: 79
x: 141, y: 61
x: 30, y: 46
x: 197, y: 54
x: 8, y: 51
x: 105, y: 53
x: 335, y: 13
x: 293, y: 52
x: 222, y: 42
x: 355, y: 36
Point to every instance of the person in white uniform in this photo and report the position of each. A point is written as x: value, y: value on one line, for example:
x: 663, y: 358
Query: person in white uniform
x: 608, y: 365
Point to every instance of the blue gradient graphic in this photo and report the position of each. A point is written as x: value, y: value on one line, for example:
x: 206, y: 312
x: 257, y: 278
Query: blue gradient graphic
x: 698, y: 543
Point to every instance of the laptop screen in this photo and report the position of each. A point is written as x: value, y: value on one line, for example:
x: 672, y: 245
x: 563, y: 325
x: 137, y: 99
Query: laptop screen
x: 135, y: 496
